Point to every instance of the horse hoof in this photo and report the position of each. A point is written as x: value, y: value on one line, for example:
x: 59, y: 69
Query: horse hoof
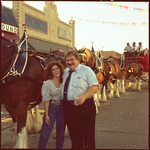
x: 109, y: 96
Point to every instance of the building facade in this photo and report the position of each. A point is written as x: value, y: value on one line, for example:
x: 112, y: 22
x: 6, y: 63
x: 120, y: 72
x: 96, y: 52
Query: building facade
x: 9, y: 25
x: 45, y: 30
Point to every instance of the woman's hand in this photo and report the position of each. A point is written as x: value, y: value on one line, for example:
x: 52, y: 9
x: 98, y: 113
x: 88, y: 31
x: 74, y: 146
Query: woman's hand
x: 47, y: 120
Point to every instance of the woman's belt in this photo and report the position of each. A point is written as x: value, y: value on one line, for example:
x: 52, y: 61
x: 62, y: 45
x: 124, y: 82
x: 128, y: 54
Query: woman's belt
x: 56, y: 102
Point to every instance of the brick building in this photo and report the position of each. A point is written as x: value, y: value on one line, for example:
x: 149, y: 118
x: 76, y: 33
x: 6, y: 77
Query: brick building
x: 45, y: 30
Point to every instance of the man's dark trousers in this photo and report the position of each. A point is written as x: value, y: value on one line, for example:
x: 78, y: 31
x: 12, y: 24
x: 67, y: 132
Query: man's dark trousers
x: 81, y: 124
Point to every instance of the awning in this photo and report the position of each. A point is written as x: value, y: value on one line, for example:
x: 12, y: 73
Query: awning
x: 44, y: 47
x: 10, y: 36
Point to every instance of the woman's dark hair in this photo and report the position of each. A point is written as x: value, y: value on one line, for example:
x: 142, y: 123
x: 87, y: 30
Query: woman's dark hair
x: 48, y: 70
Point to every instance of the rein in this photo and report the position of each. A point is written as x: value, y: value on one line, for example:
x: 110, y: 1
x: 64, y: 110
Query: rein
x: 15, y: 70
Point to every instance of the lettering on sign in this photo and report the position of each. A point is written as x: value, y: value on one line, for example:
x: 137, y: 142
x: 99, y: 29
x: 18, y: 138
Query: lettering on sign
x: 64, y: 33
x: 8, y: 28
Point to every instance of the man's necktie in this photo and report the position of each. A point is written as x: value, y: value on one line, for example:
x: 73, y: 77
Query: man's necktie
x: 67, y: 83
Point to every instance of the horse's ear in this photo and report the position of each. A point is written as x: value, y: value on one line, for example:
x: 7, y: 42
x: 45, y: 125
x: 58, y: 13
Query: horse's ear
x: 99, y: 55
x: 93, y: 49
x: 76, y: 49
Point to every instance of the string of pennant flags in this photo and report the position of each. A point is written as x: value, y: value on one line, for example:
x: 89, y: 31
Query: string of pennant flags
x: 113, y: 23
x: 126, y: 7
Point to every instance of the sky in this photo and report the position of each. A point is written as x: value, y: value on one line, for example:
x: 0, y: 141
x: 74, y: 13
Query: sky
x: 108, y: 24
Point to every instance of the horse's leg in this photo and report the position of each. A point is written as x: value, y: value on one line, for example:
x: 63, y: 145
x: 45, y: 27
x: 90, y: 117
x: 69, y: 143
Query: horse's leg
x: 128, y: 84
x: 21, y: 126
x: 135, y: 84
x: 29, y: 122
x: 111, y: 94
x: 139, y: 85
x: 120, y: 82
x: 123, y: 90
x: 117, y: 94
x: 99, y: 93
x: 104, y: 97
x: 37, y: 123
x: 96, y: 101
x: 108, y: 86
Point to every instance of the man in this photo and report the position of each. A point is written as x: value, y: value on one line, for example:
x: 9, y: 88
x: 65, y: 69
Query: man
x: 80, y: 111
x: 133, y: 49
x: 127, y: 49
x: 140, y: 49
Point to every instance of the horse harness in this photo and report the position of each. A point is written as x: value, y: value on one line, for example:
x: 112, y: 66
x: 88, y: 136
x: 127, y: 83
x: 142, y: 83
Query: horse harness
x: 18, y: 64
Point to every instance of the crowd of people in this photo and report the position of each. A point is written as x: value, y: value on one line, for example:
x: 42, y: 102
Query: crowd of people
x: 67, y: 96
x: 133, y: 50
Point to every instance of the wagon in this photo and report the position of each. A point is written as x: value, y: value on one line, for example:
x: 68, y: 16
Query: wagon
x: 143, y: 58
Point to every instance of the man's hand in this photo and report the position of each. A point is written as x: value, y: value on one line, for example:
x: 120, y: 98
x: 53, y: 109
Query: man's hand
x: 80, y: 100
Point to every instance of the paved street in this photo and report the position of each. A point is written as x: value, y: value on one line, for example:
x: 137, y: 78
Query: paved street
x: 122, y: 123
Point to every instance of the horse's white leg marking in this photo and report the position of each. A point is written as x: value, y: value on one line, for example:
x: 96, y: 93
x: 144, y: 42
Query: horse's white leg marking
x: 123, y: 86
x: 111, y: 94
x: 117, y: 89
x: 139, y: 85
x: 29, y: 122
x: 104, y: 97
x: 135, y: 84
x: 22, y: 139
x: 128, y: 84
x: 37, y: 123
x: 120, y: 88
x: 96, y: 101
x: 99, y: 93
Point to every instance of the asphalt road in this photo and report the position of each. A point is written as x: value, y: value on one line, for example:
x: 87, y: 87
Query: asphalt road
x: 122, y: 123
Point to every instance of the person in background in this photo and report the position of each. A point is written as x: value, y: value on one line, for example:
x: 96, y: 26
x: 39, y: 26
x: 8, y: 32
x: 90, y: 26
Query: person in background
x: 127, y: 49
x: 80, y: 111
x: 139, y: 49
x: 53, y: 105
x: 133, y: 49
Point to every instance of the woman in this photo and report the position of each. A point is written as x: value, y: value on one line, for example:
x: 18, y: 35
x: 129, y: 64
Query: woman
x: 53, y: 105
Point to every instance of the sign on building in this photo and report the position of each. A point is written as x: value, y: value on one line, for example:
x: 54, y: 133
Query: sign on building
x: 8, y: 28
x: 64, y: 33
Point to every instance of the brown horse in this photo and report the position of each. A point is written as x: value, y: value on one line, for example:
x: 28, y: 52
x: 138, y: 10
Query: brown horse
x: 129, y: 70
x: 105, y: 70
x: 19, y: 88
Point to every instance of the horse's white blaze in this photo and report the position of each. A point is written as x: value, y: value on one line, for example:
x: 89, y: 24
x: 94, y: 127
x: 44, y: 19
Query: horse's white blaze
x: 22, y: 139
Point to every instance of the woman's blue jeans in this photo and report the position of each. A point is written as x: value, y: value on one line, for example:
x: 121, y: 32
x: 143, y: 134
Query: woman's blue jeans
x: 56, y: 113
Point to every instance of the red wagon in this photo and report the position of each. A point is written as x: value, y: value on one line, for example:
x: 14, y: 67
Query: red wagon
x: 142, y: 58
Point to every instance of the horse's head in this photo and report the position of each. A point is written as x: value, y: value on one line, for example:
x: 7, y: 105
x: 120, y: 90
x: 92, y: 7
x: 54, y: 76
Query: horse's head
x: 85, y: 55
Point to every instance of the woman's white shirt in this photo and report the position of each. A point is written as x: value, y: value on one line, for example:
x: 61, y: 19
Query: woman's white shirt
x: 49, y: 91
